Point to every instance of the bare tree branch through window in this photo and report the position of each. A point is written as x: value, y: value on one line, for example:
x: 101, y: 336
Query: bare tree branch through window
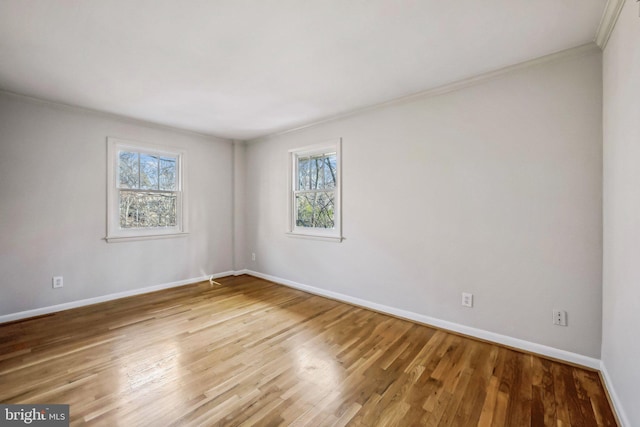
x: 147, y: 190
x: 315, y: 193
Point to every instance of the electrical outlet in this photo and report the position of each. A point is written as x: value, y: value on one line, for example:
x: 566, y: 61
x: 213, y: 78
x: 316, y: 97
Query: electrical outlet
x: 57, y: 282
x: 560, y: 317
x: 467, y: 299
x: 253, y: 256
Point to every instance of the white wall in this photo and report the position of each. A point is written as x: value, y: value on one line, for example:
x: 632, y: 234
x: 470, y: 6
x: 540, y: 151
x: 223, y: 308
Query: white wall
x: 239, y: 205
x: 53, y: 210
x: 621, y: 295
x: 494, y: 189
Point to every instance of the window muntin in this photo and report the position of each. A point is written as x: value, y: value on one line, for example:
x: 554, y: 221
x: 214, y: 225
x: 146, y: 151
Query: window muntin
x: 146, y: 191
x: 315, y: 191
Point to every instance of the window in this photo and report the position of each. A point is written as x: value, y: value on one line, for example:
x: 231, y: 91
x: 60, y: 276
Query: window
x: 314, y: 201
x: 146, y: 191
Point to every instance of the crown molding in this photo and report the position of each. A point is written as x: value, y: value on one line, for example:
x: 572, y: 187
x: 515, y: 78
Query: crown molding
x: 105, y: 114
x: 584, y: 49
x: 608, y: 22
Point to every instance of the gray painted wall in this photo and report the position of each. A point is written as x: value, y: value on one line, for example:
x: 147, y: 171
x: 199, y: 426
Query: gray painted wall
x: 495, y: 189
x: 53, y: 211
x: 621, y: 295
x: 239, y: 205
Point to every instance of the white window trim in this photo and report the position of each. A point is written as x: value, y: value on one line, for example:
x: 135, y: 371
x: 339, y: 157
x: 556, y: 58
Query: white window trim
x: 334, y: 234
x: 117, y: 234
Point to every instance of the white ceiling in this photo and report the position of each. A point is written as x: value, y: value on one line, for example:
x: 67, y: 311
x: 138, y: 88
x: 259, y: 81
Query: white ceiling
x: 246, y: 68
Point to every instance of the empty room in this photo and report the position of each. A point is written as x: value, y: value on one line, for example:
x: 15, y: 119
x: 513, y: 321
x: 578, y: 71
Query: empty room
x: 320, y: 213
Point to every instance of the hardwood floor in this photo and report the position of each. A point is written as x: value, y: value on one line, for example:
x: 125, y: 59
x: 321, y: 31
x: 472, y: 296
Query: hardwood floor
x: 251, y: 352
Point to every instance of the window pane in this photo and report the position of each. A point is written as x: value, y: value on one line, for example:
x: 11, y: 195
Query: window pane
x: 317, y: 172
x: 140, y: 209
x: 315, y: 209
x: 127, y: 169
x: 303, y: 173
x: 313, y: 173
x: 330, y: 171
x: 148, y: 172
x: 168, y: 173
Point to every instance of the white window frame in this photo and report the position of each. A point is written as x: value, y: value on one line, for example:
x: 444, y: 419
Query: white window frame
x: 332, y: 234
x: 114, y: 232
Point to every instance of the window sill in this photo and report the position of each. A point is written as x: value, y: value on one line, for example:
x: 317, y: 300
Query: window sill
x: 118, y: 239
x: 335, y: 239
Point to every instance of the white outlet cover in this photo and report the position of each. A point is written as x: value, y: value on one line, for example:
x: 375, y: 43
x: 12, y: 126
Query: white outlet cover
x: 57, y: 282
x: 560, y: 317
x: 467, y: 299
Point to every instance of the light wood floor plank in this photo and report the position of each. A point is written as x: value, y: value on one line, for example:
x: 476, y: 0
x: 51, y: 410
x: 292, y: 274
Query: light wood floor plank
x: 251, y: 352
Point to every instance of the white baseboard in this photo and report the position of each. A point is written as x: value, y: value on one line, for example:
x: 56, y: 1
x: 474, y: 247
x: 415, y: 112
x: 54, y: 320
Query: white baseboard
x: 617, y: 405
x: 241, y: 272
x: 81, y: 303
x: 420, y: 318
x: 528, y: 346
x: 544, y: 350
